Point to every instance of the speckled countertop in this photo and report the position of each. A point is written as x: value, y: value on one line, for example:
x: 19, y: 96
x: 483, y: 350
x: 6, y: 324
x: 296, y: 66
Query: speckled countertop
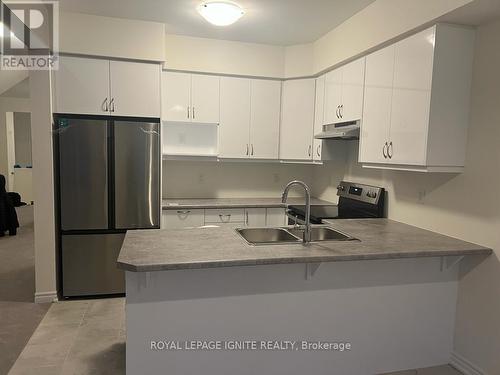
x: 173, y: 204
x: 156, y: 250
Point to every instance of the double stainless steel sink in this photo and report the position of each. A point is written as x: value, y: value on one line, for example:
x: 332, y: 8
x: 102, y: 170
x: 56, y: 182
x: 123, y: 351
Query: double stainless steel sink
x: 272, y: 236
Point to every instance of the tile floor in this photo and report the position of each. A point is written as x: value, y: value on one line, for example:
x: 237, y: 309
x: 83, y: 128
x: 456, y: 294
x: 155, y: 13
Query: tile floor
x: 77, y: 338
x: 88, y: 338
x: 19, y: 315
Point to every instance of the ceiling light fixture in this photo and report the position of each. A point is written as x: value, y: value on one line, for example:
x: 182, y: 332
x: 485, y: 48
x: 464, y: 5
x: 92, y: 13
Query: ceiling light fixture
x: 220, y: 13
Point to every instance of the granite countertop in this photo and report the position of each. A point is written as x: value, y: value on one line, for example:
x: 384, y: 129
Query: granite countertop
x: 156, y: 250
x: 173, y: 204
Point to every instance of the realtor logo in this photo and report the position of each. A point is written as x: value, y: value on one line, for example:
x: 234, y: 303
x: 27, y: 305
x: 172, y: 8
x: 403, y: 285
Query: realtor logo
x: 29, y: 34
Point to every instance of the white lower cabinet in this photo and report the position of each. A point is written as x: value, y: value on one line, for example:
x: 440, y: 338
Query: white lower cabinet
x: 231, y: 217
x: 225, y: 216
x: 255, y: 217
x: 275, y: 217
x: 176, y: 219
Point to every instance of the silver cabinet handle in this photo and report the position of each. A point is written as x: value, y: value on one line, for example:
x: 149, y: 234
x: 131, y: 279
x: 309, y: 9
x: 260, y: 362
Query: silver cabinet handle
x: 247, y: 149
x: 252, y: 150
x: 318, y: 150
x: 187, y: 212
x: 112, y: 105
x: 341, y: 111
x: 246, y: 214
x: 337, y: 111
x: 193, y: 112
x: 228, y: 218
x: 384, y: 150
x: 309, y: 150
x: 390, y: 150
x: 104, y: 106
x: 188, y: 111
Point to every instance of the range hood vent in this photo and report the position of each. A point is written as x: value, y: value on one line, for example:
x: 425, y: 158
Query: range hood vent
x: 346, y: 131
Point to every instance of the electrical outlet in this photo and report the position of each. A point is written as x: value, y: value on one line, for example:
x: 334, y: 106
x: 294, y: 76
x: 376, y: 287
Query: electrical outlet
x: 201, y: 178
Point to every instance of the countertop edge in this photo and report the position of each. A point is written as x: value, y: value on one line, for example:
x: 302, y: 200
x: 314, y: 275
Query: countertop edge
x: 319, y: 259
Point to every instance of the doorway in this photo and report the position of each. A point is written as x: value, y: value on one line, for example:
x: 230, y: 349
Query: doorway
x: 19, y: 159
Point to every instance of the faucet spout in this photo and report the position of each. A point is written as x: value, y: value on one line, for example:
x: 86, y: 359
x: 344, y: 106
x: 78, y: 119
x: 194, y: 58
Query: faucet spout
x: 307, y: 229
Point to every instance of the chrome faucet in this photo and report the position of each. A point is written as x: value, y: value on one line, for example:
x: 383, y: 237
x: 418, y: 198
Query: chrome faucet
x: 307, y: 228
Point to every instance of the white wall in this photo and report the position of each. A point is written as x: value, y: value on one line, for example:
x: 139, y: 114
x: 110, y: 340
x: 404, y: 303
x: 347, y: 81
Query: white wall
x: 111, y: 37
x: 43, y: 186
x: 189, y: 179
x: 466, y: 206
x: 222, y: 56
x: 373, y: 26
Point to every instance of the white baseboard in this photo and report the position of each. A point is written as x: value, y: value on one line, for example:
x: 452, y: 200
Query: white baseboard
x: 464, y: 365
x: 46, y: 297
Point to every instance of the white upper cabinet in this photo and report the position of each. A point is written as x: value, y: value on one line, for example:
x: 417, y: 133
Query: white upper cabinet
x: 234, y: 125
x: 250, y: 115
x: 332, y: 96
x: 104, y: 87
x: 297, y: 119
x: 135, y: 89
x: 416, y: 102
x: 81, y: 86
x: 205, y: 98
x: 176, y: 88
x: 265, y: 119
x: 344, y: 93
x: 319, y: 111
x: 190, y: 97
x: 377, y: 106
x: 353, y: 78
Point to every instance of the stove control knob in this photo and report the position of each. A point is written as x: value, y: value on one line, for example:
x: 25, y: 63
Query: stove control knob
x: 341, y: 187
x: 371, y: 194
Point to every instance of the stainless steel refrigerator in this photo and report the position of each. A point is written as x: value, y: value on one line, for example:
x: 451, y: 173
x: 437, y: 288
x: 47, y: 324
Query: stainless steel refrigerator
x: 108, y: 172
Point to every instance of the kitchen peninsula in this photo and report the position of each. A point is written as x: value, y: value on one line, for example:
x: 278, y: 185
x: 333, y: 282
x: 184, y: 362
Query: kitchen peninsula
x: 391, y: 295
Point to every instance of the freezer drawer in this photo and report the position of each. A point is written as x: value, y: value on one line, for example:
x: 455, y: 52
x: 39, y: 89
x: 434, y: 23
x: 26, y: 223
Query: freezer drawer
x: 83, y: 173
x: 137, y: 175
x: 89, y: 265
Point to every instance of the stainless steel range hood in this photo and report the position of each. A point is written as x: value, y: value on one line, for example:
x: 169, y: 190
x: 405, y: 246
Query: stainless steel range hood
x: 346, y: 131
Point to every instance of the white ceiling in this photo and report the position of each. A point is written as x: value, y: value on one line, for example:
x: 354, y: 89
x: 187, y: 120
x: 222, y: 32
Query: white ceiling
x: 279, y: 22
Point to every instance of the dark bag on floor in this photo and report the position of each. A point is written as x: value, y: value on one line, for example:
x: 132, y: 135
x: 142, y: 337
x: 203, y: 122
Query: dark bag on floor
x: 16, y: 199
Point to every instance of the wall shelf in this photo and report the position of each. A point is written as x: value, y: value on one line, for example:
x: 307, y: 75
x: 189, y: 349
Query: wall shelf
x: 183, y: 139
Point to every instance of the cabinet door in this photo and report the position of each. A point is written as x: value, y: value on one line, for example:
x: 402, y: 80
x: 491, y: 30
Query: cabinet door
x: 353, y: 79
x: 225, y: 216
x: 333, y: 96
x: 413, y: 62
x: 175, y: 219
x: 411, y: 98
x: 255, y: 217
x: 176, y: 96
x: 318, y: 116
x: 275, y: 217
x: 205, y: 98
x: 409, y: 127
x: 82, y: 86
x: 377, y: 106
x: 297, y: 119
x: 374, y: 135
x: 135, y: 89
x: 265, y: 119
x: 234, y: 117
